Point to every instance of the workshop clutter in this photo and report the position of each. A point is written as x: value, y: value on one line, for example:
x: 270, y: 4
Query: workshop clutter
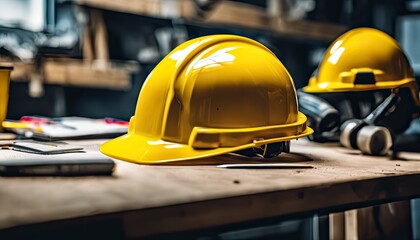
x: 212, y: 95
x: 368, y: 69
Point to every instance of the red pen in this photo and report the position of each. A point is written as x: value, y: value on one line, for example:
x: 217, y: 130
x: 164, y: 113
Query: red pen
x: 42, y: 120
x: 34, y: 120
x: 115, y: 121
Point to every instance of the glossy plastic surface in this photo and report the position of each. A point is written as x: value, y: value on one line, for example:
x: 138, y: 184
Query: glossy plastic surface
x: 363, y: 59
x: 4, y: 92
x: 209, y: 96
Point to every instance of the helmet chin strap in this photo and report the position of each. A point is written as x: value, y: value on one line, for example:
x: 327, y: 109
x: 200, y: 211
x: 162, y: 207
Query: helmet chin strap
x: 267, y: 150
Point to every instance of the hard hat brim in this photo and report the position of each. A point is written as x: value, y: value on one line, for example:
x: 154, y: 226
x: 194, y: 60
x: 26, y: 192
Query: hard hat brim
x: 350, y: 87
x: 144, y: 150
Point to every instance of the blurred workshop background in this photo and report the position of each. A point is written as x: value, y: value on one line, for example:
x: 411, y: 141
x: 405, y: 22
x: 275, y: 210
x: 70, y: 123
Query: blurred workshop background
x: 90, y: 57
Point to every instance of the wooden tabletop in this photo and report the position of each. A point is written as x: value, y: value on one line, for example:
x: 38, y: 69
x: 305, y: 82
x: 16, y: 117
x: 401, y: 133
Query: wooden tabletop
x: 193, y: 195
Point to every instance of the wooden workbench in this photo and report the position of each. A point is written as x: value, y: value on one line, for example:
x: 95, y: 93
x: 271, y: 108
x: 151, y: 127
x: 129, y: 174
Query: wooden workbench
x: 149, y: 200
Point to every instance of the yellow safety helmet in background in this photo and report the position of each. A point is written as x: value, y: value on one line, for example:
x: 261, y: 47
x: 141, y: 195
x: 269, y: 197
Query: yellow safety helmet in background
x: 363, y: 59
x: 211, y: 95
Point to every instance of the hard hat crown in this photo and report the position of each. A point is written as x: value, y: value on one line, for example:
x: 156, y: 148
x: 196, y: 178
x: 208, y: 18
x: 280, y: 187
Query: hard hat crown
x: 362, y: 59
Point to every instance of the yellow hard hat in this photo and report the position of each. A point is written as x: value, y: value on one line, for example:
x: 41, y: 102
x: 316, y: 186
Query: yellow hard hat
x: 211, y: 95
x: 363, y: 59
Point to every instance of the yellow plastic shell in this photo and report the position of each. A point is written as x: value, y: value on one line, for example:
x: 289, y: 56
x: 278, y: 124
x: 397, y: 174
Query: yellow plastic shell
x: 4, y: 92
x: 363, y: 51
x: 209, y: 96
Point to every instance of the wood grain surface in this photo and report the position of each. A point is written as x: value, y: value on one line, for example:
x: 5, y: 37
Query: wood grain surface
x: 196, y: 194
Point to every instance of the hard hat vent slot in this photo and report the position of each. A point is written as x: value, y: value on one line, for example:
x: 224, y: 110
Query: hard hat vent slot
x: 364, y: 78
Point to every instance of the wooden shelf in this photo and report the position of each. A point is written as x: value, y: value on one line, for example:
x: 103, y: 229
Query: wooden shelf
x: 231, y: 14
x: 77, y: 72
x: 154, y: 8
x: 225, y: 14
